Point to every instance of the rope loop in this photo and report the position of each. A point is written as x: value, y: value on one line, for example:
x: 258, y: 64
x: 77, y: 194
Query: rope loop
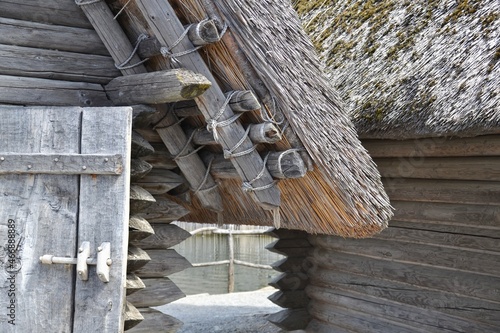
x: 230, y: 153
x: 248, y: 186
x: 213, y: 123
x: 86, y: 2
x: 205, y: 178
x: 124, y: 65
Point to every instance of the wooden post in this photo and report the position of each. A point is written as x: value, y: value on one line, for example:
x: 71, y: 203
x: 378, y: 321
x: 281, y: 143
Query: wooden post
x: 156, y: 87
x: 167, y: 28
x: 230, y: 241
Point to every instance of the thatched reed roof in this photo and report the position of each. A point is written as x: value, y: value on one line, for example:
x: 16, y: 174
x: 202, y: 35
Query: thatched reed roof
x: 408, y: 69
x: 344, y: 194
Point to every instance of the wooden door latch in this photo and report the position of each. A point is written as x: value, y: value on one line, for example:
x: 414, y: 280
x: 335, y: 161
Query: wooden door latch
x: 102, y: 262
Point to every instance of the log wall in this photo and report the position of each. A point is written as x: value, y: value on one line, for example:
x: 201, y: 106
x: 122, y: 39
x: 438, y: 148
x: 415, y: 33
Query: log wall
x: 437, y: 267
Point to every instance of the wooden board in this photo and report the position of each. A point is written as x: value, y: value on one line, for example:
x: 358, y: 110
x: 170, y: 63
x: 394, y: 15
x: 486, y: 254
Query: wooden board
x: 59, y: 65
x: 50, y: 36
x: 165, y: 236
x: 163, y: 263
x: 104, y: 200
x: 156, y: 322
x: 158, y: 291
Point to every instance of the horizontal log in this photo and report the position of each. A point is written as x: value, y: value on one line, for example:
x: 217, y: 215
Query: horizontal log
x: 451, y: 228
x: 140, y: 146
x: 264, y: 133
x: 483, y: 262
x: 469, y: 284
x: 133, y: 284
x: 448, y: 191
x: 136, y: 258
x: 293, y: 299
x: 328, y: 288
x: 291, y: 319
x: 287, y: 234
x: 139, y: 169
x: 165, y: 236
x: 50, y: 36
x: 140, y: 199
x: 160, y: 181
x: 58, y: 65
x: 471, y: 215
x: 143, y: 116
x: 243, y: 101
x: 139, y: 228
x: 290, y: 281
x: 156, y: 322
x: 35, y: 91
x: 292, y: 264
x: 45, y: 11
x: 164, y: 210
x: 290, y: 247
x: 158, y: 291
x: 163, y: 263
x: 149, y: 47
x: 132, y: 316
x: 161, y: 158
x: 149, y: 134
x: 485, y: 145
x: 460, y: 168
x: 156, y: 87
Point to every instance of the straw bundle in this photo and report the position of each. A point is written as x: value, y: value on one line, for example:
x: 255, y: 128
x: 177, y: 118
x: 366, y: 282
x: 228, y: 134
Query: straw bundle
x: 344, y: 195
x: 410, y: 69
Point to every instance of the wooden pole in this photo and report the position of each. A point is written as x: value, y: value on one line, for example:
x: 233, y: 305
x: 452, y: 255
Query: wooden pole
x: 230, y: 241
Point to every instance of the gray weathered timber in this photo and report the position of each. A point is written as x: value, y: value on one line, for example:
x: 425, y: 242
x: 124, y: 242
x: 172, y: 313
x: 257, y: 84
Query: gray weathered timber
x: 164, y: 210
x: 156, y: 87
x: 62, y: 164
x: 35, y: 91
x: 470, y: 168
x: 132, y: 316
x: 287, y: 234
x: 136, y: 258
x: 290, y: 247
x: 458, y: 228
x: 40, y: 207
x: 428, y: 277
x: 151, y: 135
x: 486, y: 145
x: 59, y: 65
x: 265, y: 133
x: 293, y: 299
x: 166, y: 27
x: 161, y: 158
x: 291, y: 319
x: 140, y: 146
x: 479, y: 312
x: 163, y: 263
x: 165, y: 236
x: 104, y: 303
x: 113, y: 37
x: 139, y: 228
x: 445, y: 191
x: 140, y: 199
x: 484, y: 262
x: 133, y: 284
x: 158, y: 291
x: 149, y: 47
x: 120, y: 48
x: 290, y: 281
x: 319, y: 326
x: 156, y: 322
x: 45, y: 11
x: 139, y: 169
x: 142, y: 116
x: 50, y: 36
x: 160, y: 181
x: 203, y: 33
x: 291, y: 264
x: 243, y: 100
x: 445, y: 213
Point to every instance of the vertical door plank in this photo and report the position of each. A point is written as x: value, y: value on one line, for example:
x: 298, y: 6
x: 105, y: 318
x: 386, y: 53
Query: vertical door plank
x: 40, y: 214
x: 104, y: 215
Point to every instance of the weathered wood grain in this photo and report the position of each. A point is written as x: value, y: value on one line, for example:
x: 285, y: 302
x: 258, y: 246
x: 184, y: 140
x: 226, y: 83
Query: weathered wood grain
x: 290, y: 247
x: 156, y: 322
x: 50, y: 36
x: 133, y: 284
x: 132, y: 316
x: 291, y: 319
x: 290, y: 281
x: 292, y: 264
x: 293, y: 299
x: 140, y: 199
x: 136, y: 258
x: 150, y: 134
x: 104, y: 200
x: 156, y: 87
x: 143, y: 116
x: 139, y: 228
x: 161, y: 158
x: 453, y: 228
x: 163, y: 263
x: 284, y: 233
x: 140, y: 146
x: 166, y: 27
x: 158, y: 291
x: 470, y: 168
x: 139, y: 169
x: 35, y: 91
x: 485, y: 145
x: 160, y: 181
x: 449, y: 191
x: 45, y: 11
x: 164, y: 210
x: 165, y: 236
x: 58, y: 65
x: 319, y: 326
x: 39, y: 207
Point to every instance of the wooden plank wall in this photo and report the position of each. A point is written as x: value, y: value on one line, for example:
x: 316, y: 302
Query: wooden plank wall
x: 437, y: 267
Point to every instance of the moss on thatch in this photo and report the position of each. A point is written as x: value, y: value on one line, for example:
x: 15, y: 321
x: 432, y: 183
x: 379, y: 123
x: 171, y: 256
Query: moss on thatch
x: 411, y: 68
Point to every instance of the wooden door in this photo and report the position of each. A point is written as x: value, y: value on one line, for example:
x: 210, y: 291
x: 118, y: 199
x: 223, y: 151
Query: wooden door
x: 64, y: 180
